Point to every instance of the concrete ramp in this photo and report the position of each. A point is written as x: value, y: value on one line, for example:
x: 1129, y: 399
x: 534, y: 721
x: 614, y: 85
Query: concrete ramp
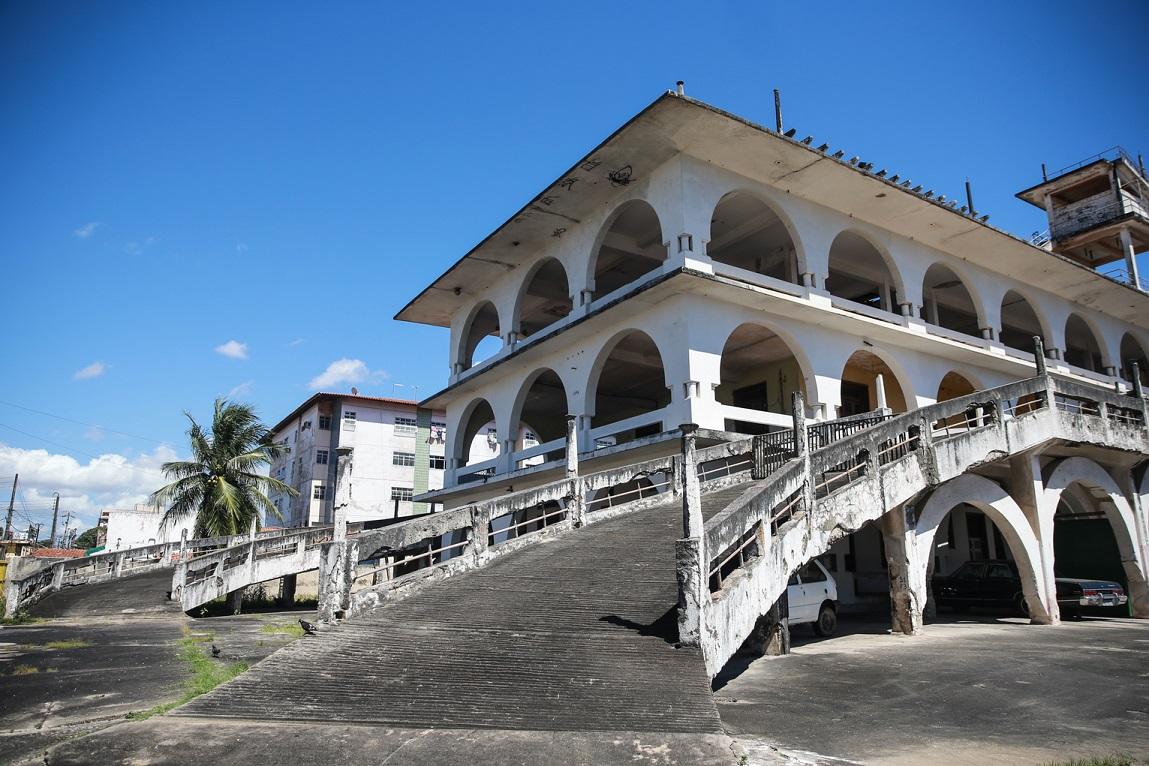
x: 145, y: 593
x: 576, y: 634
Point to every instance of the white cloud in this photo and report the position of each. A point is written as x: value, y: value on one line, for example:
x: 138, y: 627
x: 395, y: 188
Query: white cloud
x: 93, y: 370
x: 233, y: 349
x: 87, y: 230
x: 347, y: 372
x: 135, y: 248
x: 241, y: 247
x: 107, y: 481
x: 243, y: 389
x: 296, y: 342
x: 94, y: 434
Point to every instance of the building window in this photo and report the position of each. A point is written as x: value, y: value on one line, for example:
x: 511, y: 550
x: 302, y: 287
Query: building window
x: 403, y: 458
x: 325, y: 422
x: 321, y: 456
x: 402, y: 494
x: 349, y: 414
x: 438, y: 462
x: 405, y: 427
x: 319, y: 492
x: 348, y: 420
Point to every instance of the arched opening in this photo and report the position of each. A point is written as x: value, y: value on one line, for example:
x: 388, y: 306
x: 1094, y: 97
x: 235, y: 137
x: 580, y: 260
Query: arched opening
x: 521, y: 522
x: 1081, y: 346
x: 1132, y: 351
x: 859, y: 273
x: 953, y: 386
x: 1019, y: 322
x: 631, y: 247
x: 868, y: 383
x: 545, y: 299
x: 481, y: 337
x: 759, y: 372
x: 1085, y: 548
x: 947, y: 302
x: 973, y: 566
x: 631, y: 383
x: 478, y: 439
x: 747, y: 234
x: 540, y: 416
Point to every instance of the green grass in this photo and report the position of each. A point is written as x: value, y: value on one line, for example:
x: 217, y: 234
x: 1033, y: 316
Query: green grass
x: 1117, y: 759
x: 25, y: 670
x: 205, y: 673
x: 283, y: 628
x: 70, y: 643
x: 20, y: 618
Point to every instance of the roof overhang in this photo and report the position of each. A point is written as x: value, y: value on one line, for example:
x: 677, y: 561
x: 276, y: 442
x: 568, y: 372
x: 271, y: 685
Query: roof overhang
x: 675, y: 124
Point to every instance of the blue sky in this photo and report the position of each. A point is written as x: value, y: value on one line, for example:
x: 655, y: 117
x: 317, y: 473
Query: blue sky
x: 286, y: 176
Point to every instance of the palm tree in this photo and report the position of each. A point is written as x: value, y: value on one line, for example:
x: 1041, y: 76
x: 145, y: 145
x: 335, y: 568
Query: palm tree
x: 220, y: 484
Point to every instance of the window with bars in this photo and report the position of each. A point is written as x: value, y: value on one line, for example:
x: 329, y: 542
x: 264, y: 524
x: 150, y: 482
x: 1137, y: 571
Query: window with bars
x: 438, y: 462
x: 405, y: 426
x: 319, y: 492
x: 321, y: 456
x: 402, y: 494
x: 403, y: 458
x: 325, y: 422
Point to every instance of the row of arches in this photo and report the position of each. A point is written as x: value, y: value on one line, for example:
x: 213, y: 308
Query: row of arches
x: 748, y: 234
x: 759, y: 370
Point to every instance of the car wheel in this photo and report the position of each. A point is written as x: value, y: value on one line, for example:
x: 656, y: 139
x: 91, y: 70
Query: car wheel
x: 827, y: 621
x: 1022, y: 605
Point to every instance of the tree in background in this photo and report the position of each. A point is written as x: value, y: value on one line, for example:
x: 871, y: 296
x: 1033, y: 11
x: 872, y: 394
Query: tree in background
x: 87, y: 539
x: 221, y: 486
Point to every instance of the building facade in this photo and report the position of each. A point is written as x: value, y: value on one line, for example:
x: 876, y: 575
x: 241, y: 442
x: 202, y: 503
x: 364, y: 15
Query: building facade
x: 398, y: 451
x: 698, y: 268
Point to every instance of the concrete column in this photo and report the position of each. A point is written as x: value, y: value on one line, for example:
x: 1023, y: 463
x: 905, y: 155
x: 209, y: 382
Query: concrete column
x: 335, y: 573
x: 692, y: 523
x: 1130, y: 257
x: 1136, y: 571
x: 577, y: 503
x: 908, y: 573
x: 1028, y: 491
x: 880, y: 390
x: 287, y: 589
x: 480, y: 533
x: 183, y: 544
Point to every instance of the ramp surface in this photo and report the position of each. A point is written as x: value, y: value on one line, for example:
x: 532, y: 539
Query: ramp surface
x: 135, y: 594
x: 574, y: 634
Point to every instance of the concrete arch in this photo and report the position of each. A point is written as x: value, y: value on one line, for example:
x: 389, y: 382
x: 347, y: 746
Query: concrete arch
x: 528, y: 280
x: 1035, y: 308
x: 796, y: 349
x: 891, y: 263
x: 1133, y: 350
x: 1098, y: 337
x: 1060, y: 475
x: 471, y: 336
x: 463, y: 431
x: 517, y: 407
x: 967, y: 282
x: 989, y: 498
x: 588, y: 277
x: 774, y: 207
x: 594, y: 373
x: 901, y: 375
x: 974, y: 379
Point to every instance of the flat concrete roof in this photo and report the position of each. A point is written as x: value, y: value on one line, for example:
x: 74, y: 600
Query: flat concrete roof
x: 675, y: 124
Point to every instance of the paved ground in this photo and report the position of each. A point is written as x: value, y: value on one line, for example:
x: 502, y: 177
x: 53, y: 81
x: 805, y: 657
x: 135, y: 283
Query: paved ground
x: 96, y: 657
x: 968, y: 692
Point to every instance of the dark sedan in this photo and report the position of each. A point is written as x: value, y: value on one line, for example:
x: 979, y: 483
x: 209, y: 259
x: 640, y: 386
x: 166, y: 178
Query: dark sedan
x: 996, y: 584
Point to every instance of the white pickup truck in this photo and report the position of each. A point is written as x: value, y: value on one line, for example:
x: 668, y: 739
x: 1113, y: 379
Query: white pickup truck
x: 813, y: 596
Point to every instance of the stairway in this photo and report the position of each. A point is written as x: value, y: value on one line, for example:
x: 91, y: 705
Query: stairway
x: 575, y: 634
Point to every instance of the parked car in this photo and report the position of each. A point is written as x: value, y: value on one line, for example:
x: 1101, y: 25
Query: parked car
x: 813, y: 596
x: 997, y: 584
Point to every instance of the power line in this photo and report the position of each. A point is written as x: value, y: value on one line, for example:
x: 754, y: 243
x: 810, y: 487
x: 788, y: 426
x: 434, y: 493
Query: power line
x: 81, y: 423
x: 49, y: 441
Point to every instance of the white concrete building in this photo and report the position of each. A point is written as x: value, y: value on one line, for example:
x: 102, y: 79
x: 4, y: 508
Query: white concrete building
x: 698, y: 268
x: 123, y: 528
x: 398, y: 451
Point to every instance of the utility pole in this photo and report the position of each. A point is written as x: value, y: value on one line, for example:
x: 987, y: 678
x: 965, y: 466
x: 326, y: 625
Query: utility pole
x: 11, y: 509
x: 67, y: 523
x: 55, y: 513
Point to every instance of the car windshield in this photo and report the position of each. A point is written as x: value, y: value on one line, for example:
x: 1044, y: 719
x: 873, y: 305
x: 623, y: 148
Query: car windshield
x: 1000, y: 571
x: 811, y: 573
x: 971, y: 570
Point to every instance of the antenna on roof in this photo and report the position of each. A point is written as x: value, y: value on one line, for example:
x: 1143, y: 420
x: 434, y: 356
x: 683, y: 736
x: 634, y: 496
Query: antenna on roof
x: 969, y: 197
x: 777, y: 110
x: 680, y: 88
x: 1044, y: 175
x: 354, y: 391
